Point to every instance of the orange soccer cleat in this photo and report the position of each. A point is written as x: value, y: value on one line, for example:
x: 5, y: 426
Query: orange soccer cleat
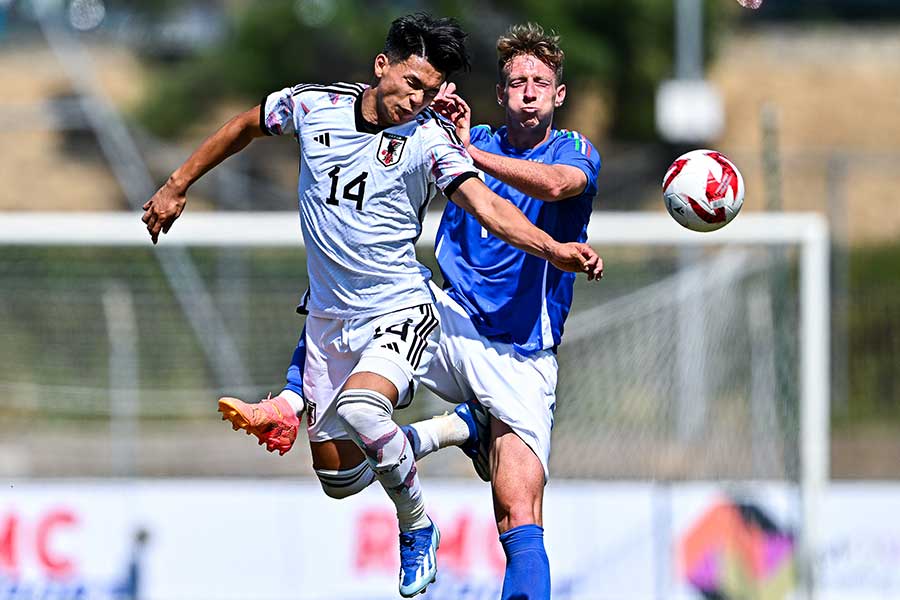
x: 272, y: 421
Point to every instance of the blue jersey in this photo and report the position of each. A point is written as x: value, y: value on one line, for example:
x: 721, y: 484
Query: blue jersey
x: 510, y: 295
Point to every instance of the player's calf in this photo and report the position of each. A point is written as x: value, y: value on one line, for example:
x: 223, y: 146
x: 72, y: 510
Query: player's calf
x: 366, y: 415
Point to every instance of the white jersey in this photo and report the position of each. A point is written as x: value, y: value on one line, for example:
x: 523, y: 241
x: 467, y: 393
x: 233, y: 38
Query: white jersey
x: 363, y: 193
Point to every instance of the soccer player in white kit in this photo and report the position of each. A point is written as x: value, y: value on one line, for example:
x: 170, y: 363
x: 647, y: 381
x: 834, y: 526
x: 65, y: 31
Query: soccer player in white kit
x: 370, y: 160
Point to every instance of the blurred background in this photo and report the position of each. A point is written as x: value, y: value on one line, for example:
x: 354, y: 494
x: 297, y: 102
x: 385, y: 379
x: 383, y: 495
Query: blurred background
x: 112, y: 355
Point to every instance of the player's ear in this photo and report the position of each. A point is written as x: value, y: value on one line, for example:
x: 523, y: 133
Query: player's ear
x: 381, y: 65
x: 501, y: 94
x: 560, y: 95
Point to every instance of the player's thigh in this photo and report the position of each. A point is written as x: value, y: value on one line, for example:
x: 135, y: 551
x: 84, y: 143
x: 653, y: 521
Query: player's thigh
x: 442, y: 376
x: 517, y: 479
x: 335, y: 455
x: 329, y: 362
x: 398, y: 347
x: 517, y: 390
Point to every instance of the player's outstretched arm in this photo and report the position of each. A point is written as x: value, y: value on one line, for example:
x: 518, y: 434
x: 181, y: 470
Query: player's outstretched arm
x: 547, y: 182
x: 507, y: 222
x: 168, y: 202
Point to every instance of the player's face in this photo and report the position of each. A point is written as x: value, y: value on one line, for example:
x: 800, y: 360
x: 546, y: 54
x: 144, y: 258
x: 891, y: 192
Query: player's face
x: 531, y: 94
x: 405, y: 88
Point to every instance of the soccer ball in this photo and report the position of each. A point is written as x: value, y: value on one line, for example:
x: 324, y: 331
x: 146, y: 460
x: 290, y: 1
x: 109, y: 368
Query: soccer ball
x: 703, y: 190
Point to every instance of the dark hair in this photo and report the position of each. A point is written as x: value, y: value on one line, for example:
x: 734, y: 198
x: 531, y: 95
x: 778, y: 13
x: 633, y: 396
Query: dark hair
x: 530, y: 39
x: 439, y: 41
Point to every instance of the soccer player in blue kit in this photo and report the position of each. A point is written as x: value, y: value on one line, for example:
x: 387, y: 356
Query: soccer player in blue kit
x: 502, y: 311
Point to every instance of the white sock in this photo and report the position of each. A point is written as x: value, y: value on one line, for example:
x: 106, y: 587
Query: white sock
x: 367, y: 416
x: 440, y: 432
x: 294, y: 399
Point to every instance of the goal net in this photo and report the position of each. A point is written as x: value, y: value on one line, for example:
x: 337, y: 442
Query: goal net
x: 697, y: 357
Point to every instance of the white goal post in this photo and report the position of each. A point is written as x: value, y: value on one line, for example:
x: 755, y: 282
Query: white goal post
x: 806, y: 232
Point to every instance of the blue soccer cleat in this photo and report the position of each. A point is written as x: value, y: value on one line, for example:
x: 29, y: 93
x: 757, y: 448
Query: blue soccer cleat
x: 478, y: 446
x: 418, y: 559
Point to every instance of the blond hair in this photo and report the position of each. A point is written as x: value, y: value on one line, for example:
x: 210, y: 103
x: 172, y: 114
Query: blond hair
x: 529, y: 39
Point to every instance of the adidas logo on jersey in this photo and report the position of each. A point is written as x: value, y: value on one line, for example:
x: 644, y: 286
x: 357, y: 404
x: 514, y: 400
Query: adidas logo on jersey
x: 324, y: 139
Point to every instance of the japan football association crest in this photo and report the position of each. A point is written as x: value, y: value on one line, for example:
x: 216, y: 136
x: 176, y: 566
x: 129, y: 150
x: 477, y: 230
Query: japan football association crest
x: 391, y: 148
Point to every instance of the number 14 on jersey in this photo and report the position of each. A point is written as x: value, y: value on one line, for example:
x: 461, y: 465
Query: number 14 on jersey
x: 354, y: 190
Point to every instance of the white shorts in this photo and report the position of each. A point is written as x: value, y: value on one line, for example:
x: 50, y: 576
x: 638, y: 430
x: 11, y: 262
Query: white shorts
x: 518, y: 390
x: 397, y: 345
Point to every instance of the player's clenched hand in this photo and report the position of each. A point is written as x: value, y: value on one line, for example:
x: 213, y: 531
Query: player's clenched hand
x: 576, y: 257
x: 451, y: 106
x: 162, y: 209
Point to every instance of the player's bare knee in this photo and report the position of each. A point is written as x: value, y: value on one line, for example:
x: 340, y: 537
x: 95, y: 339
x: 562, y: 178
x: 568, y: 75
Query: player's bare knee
x: 515, y: 500
x: 510, y: 514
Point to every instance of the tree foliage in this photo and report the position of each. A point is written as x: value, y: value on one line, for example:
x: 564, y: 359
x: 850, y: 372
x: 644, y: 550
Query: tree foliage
x: 623, y: 47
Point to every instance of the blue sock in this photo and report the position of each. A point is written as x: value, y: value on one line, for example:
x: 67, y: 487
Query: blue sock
x: 527, y: 574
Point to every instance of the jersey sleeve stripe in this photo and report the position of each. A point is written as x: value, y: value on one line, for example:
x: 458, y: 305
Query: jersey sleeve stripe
x: 582, y: 144
x: 451, y: 131
x: 579, y: 142
x: 305, y: 86
x: 332, y: 90
x: 354, y: 88
x: 357, y: 87
x: 347, y: 89
x: 448, y: 127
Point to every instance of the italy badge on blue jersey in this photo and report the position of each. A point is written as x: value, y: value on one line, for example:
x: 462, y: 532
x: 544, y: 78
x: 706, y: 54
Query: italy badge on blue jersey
x: 390, y: 148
